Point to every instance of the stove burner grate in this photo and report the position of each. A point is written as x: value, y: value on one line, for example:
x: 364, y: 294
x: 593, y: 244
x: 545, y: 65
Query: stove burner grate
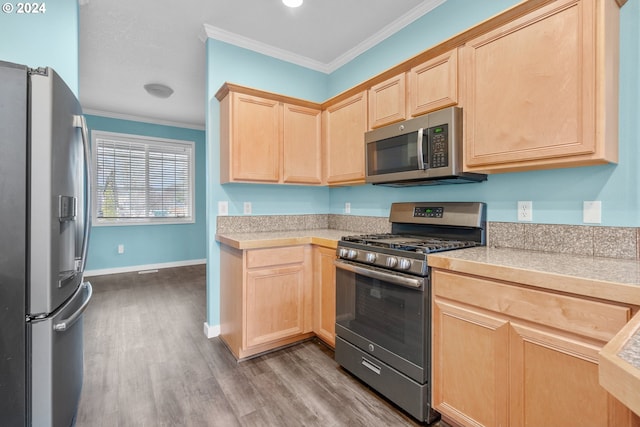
x: 420, y: 244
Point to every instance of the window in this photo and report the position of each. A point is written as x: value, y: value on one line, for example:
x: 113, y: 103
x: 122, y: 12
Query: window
x: 142, y: 180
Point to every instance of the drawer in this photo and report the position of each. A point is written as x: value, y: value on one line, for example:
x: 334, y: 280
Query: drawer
x: 267, y: 257
x: 599, y: 320
x: 400, y: 389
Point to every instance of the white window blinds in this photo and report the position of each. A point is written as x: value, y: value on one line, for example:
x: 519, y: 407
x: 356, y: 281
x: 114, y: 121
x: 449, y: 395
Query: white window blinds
x: 141, y: 180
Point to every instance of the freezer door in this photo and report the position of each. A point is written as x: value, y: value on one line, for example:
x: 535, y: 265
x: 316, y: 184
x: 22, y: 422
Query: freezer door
x: 57, y: 362
x: 13, y: 238
x: 58, y: 185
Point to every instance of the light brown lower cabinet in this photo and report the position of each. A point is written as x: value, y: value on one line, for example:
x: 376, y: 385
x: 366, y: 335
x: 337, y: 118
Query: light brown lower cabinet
x: 509, y: 355
x: 324, y: 294
x: 266, y: 298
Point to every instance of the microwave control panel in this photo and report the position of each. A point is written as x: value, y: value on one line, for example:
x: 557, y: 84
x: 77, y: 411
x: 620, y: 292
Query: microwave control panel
x: 438, y: 137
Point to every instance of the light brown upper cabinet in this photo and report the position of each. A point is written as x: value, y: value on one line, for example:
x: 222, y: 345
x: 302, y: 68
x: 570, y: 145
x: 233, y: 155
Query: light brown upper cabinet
x: 541, y: 91
x: 302, y: 145
x: 434, y: 84
x: 250, y: 133
x: 344, y: 125
x: 387, y: 102
x: 268, y: 138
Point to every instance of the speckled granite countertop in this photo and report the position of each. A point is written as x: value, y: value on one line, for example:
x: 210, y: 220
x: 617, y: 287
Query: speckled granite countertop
x: 322, y: 237
x: 619, y: 365
x: 605, y: 278
x: 631, y: 350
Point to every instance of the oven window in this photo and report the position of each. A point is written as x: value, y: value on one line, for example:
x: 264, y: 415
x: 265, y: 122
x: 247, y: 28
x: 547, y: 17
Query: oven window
x: 388, y: 315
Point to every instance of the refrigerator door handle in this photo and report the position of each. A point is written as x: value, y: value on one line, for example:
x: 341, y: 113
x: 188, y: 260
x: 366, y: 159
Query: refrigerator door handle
x: 69, y: 321
x: 80, y: 122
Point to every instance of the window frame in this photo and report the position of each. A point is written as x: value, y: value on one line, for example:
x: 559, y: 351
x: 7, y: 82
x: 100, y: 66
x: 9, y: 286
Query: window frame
x: 147, y: 140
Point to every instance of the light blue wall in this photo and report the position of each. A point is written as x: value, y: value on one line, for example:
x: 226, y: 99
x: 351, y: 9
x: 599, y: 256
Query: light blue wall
x: 46, y: 39
x: 557, y: 195
x: 227, y: 63
x: 152, y: 244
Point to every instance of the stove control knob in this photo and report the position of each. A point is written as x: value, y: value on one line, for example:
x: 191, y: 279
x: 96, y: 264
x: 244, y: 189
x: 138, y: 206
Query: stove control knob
x: 404, y: 264
x: 352, y: 254
x: 392, y: 262
x: 342, y: 253
x: 371, y: 257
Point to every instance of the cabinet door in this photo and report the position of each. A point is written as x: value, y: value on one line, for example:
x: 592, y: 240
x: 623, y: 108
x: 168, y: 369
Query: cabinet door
x: 274, y: 304
x: 302, y: 145
x: 505, y: 354
x: 554, y: 381
x: 387, y: 102
x: 324, y: 322
x: 344, y: 126
x: 470, y: 365
x: 531, y: 93
x: 254, y: 139
x: 434, y: 84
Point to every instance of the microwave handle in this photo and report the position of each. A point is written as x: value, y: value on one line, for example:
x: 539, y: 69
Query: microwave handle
x: 420, y: 153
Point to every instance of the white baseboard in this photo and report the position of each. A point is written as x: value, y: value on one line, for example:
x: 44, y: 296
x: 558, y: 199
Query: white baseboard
x: 211, y: 331
x: 142, y: 268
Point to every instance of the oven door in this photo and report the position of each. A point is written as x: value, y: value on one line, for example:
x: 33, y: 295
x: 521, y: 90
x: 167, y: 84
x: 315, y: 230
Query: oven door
x: 384, y: 314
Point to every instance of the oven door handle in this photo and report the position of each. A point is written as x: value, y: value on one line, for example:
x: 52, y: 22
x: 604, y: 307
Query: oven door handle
x: 396, y: 279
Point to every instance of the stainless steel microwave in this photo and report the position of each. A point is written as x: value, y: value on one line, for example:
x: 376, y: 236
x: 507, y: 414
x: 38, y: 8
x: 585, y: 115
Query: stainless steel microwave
x: 421, y: 151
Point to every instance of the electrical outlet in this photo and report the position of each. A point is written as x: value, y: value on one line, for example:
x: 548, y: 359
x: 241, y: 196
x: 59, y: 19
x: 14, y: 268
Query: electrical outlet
x: 525, y: 211
x: 223, y: 208
x: 121, y: 249
x: 592, y: 212
x: 247, y: 208
x: 347, y: 207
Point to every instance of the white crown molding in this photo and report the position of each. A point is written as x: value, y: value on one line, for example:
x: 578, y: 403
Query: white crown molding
x: 121, y: 116
x: 386, y: 32
x: 235, y: 39
x: 263, y: 48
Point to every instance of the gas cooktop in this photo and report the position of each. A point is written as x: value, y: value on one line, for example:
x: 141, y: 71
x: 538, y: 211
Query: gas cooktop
x: 410, y: 243
x: 417, y: 229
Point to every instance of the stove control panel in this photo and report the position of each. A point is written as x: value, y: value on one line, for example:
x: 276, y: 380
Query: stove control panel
x: 428, y: 212
x: 410, y: 263
x: 404, y: 264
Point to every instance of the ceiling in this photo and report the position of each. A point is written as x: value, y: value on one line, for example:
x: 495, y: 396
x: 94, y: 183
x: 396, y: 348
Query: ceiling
x: 126, y: 44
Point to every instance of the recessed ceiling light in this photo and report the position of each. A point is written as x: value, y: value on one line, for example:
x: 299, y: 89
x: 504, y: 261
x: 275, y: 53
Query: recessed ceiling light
x: 158, y: 90
x: 292, y: 3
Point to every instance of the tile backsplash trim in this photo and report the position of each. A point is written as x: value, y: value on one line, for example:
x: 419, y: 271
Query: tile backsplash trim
x: 612, y: 242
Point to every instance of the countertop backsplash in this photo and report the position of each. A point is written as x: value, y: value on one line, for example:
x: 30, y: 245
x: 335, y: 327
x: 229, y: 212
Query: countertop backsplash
x: 611, y: 242
x: 269, y: 223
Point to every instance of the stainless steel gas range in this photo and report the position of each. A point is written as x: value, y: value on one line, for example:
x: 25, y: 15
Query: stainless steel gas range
x: 383, y: 312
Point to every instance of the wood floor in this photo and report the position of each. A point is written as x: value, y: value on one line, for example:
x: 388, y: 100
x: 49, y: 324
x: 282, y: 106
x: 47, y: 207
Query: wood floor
x: 148, y: 363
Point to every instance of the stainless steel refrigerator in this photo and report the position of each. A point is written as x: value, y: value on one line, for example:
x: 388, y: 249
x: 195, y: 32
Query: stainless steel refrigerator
x: 44, y: 233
